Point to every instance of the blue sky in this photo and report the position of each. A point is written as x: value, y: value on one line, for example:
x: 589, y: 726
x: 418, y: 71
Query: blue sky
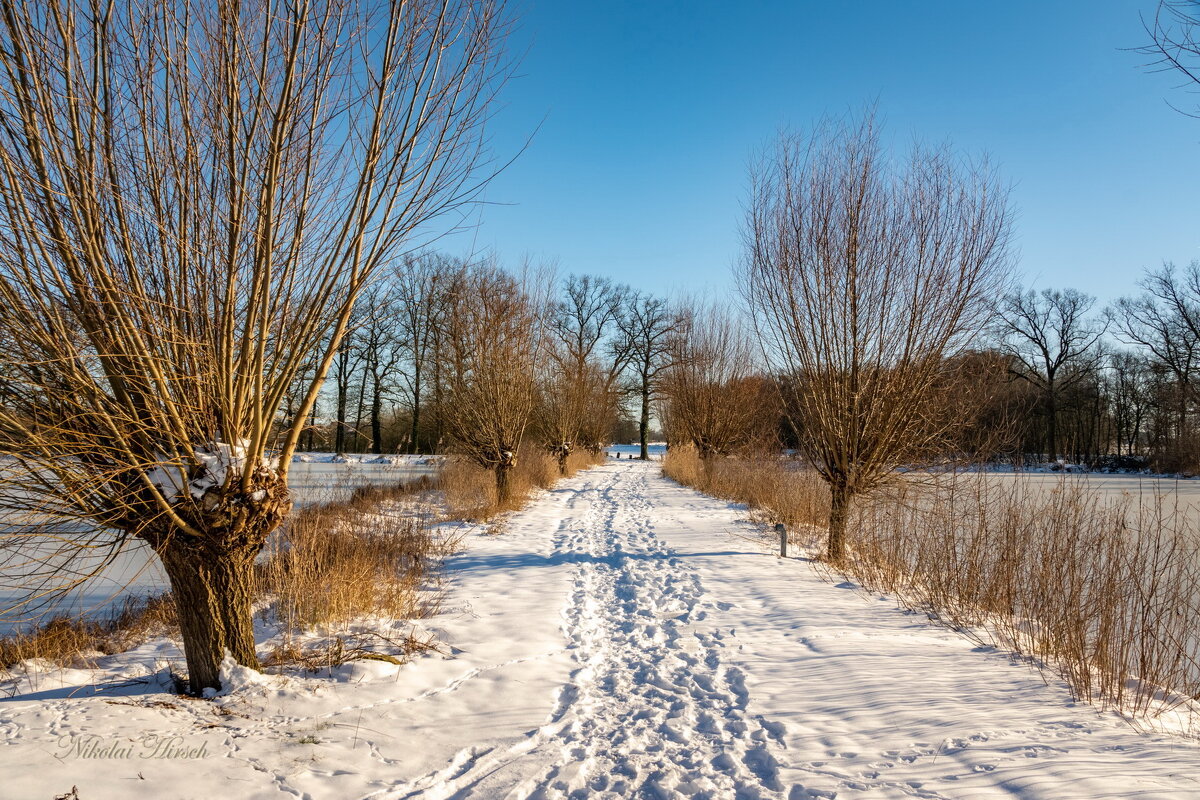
x: 649, y: 113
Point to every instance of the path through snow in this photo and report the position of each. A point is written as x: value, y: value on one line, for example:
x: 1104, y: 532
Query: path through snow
x: 621, y: 639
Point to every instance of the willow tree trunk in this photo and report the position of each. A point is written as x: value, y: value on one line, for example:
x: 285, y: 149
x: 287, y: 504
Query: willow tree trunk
x: 211, y: 570
x: 839, y: 512
x: 213, y: 589
x: 503, y: 484
x: 644, y: 423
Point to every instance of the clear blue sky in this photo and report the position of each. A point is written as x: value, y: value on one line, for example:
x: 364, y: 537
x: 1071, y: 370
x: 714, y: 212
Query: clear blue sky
x: 650, y: 111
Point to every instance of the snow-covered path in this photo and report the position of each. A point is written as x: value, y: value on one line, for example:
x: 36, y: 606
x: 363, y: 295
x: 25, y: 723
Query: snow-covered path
x: 623, y: 638
x: 650, y: 708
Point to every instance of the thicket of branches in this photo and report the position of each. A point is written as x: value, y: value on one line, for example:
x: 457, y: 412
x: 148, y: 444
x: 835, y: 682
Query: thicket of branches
x: 1107, y: 388
x: 1052, y: 381
x: 592, y: 359
x: 192, y: 197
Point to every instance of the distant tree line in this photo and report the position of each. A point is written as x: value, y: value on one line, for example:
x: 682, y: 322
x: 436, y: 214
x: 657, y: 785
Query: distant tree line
x: 882, y: 334
x: 1052, y: 378
x: 578, y: 360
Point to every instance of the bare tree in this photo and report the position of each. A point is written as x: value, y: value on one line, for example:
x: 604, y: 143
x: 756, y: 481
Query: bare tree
x: 1130, y: 386
x: 346, y: 362
x: 646, y: 325
x: 863, y: 280
x: 378, y: 341
x: 1054, y: 344
x: 493, y: 338
x: 714, y: 398
x: 1165, y: 321
x: 192, y: 195
x: 1175, y: 42
x: 580, y: 397
x: 423, y: 282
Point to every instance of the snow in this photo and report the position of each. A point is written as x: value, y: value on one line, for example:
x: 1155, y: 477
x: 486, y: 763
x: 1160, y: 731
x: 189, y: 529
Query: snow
x: 215, y: 462
x: 624, y: 637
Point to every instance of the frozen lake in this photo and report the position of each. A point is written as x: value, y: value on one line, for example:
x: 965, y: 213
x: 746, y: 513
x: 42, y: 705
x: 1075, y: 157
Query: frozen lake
x: 136, y: 571
x: 1116, y: 485
x: 627, y: 450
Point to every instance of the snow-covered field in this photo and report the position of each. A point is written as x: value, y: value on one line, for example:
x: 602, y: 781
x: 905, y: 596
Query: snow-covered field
x: 313, y: 478
x: 623, y: 637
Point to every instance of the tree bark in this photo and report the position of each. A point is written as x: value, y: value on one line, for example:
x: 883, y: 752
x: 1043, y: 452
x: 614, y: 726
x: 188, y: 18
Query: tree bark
x: 416, y: 414
x: 644, y: 423
x: 339, y: 435
x: 376, y: 417
x: 1052, y: 422
x: 503, y: 486
x: 839, y: 510
x: 213, y: 589
x: 312, y: 428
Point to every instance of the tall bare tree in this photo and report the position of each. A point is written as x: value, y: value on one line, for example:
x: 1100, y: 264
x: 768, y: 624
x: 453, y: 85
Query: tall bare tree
x: 715, y: 396
x: 646, y: 325
x: 863, y: 279
x: 1130, y: 386
x: 583, y: 365
x: 423, y: 282
x: 192, y: 195
x: 1053, y: 342
x: 378, y: 339
x: 346, y: 362
x: 1165, y: 321
x: 493, y: 338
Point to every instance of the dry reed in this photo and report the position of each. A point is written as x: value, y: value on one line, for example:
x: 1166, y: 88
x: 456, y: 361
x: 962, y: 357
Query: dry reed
x: 75, y: 642
x: 1103, y: 591
x: 469, y: 491
x: 774, y: 489
x: 369, y: 555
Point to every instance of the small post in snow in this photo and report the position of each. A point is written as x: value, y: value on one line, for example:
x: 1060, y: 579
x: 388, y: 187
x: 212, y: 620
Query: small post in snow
x: 781, y: 529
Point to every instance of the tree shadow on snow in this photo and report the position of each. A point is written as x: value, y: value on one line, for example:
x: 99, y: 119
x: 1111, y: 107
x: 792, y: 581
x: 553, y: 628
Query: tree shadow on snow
x: 476, y: 562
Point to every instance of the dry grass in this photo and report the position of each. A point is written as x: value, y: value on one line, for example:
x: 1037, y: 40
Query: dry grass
x: 1103, y: 591
x: 470, y: 490
x: 776, y: 490
x: 370, y: 555
x: 73, y: 642
x: 354, y: 646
